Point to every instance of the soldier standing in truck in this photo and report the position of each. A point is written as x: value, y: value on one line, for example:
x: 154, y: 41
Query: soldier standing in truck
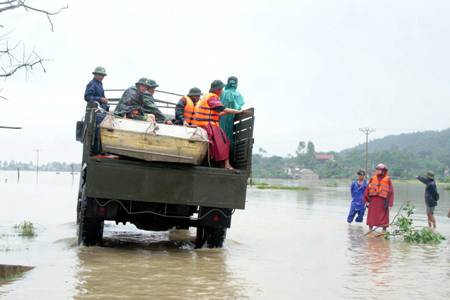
x: 95, y: 93
x: 94, y: 89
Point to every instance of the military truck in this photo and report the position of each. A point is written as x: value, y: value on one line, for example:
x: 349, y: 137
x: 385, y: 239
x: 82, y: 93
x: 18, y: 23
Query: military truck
x: 159, y: 196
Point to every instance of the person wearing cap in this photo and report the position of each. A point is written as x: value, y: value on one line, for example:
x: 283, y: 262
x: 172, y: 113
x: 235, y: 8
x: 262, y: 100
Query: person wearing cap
x: 149, y: 106
x: 207, y: 114
x: 431, y: 196
x: 230, y: 98
x: 95, y: 92
x: 131, y: 103
x: 184, y: 111
x: 357, y: 189
x: 379, y: 197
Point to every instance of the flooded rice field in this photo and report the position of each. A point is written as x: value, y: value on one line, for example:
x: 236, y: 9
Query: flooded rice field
x: 285, y: 245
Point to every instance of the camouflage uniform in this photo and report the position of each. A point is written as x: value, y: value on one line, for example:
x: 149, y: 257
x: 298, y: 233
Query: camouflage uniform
x: 149, y: 107
x: 131, y: 104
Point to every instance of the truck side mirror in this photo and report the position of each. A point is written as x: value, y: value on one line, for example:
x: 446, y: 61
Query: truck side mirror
x: 79, y: 131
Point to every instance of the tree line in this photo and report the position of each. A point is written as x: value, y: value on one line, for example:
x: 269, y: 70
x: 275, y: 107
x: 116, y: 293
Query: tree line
x: 51, y: 166
x: 403, y: 163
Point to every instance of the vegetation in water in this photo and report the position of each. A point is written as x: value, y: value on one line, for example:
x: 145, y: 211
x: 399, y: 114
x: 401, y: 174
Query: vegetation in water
x: 402, y: 227
x: 280, y: 187
x: 26, y: 228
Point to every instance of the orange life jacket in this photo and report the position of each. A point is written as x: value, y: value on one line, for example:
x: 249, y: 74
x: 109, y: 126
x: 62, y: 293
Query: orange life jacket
x: 203, y: 114
x: 189, y: 108
x: 379, y: 188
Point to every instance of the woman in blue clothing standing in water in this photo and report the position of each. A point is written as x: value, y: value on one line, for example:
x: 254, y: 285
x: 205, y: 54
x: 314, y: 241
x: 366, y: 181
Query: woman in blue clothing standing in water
x: 357, y: 190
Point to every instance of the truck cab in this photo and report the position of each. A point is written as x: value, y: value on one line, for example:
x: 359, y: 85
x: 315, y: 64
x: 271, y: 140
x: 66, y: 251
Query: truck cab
x: 160, y: 196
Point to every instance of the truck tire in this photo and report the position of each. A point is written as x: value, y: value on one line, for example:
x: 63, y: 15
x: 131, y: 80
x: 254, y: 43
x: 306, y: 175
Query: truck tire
x: 90, y: 230
x: 213, y: 237
x: 78, y: 211
x: 80, y: 193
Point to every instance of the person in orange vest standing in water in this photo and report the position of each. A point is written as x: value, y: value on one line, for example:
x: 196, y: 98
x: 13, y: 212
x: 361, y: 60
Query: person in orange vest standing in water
x: 184, y: 111
x: 207, y: 115
x: 379, y: 197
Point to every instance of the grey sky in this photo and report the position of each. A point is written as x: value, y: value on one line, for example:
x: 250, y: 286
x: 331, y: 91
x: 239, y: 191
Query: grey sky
x: 314, y: 70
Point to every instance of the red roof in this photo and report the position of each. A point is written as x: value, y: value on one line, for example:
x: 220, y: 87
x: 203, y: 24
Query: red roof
x: 324, y: 156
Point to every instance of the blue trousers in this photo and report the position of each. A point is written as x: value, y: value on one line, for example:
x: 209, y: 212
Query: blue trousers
x: 356, y: 209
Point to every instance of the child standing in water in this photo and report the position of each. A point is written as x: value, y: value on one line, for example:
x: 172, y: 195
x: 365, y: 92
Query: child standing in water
x: 357, y: 190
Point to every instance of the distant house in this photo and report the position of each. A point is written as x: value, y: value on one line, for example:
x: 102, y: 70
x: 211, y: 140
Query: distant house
x: 298, y: 173
x: 321, y: 158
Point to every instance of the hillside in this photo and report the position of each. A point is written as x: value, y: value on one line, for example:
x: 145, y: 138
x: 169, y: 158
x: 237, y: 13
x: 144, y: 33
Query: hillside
x: 405, y: 154
x: 417, y: 142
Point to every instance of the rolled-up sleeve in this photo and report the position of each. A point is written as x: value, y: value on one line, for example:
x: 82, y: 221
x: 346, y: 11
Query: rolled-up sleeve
x: 215, y: 104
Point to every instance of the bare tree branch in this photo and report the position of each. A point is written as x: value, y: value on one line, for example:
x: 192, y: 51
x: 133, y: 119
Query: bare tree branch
x: 10, y: 60
x: 13, y: 4
x: 28, y: 65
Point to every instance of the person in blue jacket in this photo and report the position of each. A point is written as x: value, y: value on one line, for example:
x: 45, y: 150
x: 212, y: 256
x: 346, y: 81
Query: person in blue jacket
x: 95, y: 93
x: 431, y: 196
x: 357, y: 190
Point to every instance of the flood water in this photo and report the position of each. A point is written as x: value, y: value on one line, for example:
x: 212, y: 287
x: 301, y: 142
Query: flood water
x: 285, y: 245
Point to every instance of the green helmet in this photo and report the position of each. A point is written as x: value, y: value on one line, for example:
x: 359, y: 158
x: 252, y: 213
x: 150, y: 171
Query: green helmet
x: 429, y: 174
x: 195, y: 91
x: 100, y: 70
x: 216, y: 85
x: 153, y: 83
x: 144, y: 81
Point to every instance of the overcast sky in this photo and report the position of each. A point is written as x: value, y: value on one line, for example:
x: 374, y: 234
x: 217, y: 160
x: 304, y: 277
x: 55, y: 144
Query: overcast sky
x: 313, y: 69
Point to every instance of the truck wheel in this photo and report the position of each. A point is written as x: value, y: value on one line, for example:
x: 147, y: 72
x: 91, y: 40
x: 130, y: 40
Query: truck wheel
x: 216, y: 236
x: 78, y: 211
x: 80, y: 193
x: 200, y: 239
x: 90, y: 230
x: 212, y: 236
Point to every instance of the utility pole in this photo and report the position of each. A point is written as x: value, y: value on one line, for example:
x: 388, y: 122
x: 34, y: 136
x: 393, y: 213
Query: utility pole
x: 367, y: 131
x: 37, y: 160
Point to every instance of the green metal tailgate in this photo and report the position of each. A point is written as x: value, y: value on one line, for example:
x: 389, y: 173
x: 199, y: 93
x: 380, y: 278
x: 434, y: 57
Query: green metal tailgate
x: 165, y: 183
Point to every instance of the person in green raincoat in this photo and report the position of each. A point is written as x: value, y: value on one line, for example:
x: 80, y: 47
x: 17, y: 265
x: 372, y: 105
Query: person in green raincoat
x: 230, y: 99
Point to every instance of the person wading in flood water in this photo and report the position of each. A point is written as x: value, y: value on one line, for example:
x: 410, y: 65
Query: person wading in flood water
x: 357, y: 190
x: 379, y: 197
x: 431, y: 196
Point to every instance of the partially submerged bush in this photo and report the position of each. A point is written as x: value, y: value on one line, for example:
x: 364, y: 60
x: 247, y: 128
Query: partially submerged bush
x: 26, y: 228
x: 402, y: 228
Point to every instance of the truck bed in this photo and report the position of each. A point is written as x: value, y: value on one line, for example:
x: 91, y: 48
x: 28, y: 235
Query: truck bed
x: 166, y: 183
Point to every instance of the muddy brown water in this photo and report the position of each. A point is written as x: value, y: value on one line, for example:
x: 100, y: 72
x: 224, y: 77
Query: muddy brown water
x: 285, y: 245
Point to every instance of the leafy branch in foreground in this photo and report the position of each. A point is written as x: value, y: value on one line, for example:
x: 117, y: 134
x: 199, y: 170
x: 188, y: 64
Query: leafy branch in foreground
x: 403, y: 228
